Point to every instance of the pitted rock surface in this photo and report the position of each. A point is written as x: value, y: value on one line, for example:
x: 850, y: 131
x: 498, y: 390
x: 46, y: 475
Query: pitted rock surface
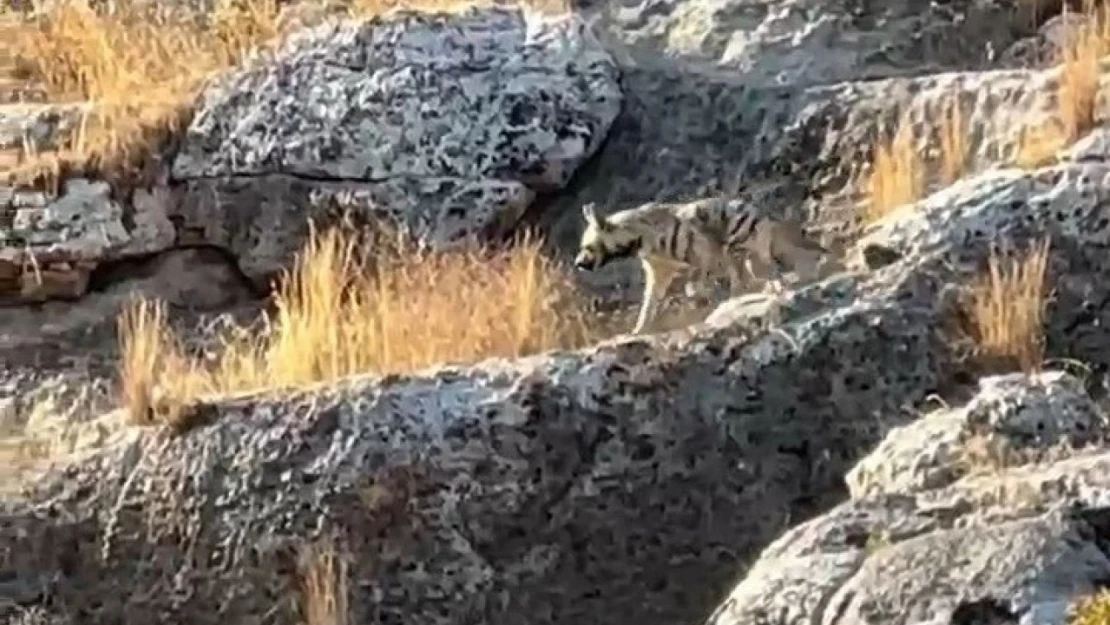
x: 568, y: 483
x: 560, y: 486
x: 1017, y: 544
x: 488, y: 93
x: 264, y: 238
x: 1012, y: 419
x: 452, y: 121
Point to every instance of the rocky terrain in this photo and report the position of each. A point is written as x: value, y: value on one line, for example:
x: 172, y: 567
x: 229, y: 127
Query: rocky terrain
x: 834, y: 454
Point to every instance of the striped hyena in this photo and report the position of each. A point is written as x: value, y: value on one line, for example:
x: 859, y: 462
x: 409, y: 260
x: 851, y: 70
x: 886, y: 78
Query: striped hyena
x: 709, y: 237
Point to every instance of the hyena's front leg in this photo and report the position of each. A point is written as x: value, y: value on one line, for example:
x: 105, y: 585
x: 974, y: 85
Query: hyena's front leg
x: 763, y: 270
x: 735, y: 268
x: 657, y: 277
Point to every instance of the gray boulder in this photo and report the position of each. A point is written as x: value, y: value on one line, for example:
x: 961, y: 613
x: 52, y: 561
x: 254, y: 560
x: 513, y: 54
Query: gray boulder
x: 622, y: 482
x: 448, y: 123
x: 1003, y: 544
x: 1012, y: 419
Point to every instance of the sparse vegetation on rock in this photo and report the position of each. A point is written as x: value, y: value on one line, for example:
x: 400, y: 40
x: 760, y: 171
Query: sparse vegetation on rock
x: 342, y: 310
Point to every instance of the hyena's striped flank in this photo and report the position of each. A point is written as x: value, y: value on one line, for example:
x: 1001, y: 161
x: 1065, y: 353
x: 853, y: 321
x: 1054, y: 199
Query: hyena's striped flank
x: 710, y: 237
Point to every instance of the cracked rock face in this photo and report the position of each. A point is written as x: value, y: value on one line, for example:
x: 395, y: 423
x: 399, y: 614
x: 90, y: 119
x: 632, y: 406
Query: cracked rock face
x: 448, y: 123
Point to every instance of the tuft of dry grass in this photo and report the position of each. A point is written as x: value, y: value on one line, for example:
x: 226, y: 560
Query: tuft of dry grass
x: 1077, y: 91
x: 953, y: 143
x: 323, y: 584
x: 340, y: 312
x: 1091, y: 610
x: 149, y: 353
x: 1008, y: 310
x: 897, y: 174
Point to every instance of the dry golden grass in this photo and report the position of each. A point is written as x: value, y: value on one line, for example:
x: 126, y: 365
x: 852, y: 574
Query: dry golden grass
x: 323, y: 585
x: 141, y: 68
x: 1008, y: 310
x: 1038, y: 146
x: 339, y: 314
x: 1091, y: 610
x: 138, y: 70
x: 1077, y: 92
x: 952, y: 135
x: 897, y: 174
x: 149, y: 352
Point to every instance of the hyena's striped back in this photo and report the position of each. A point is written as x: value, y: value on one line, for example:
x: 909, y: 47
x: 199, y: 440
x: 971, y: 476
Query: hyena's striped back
x: 769, y: 247
x: 710, y: 236
x: 732, y: 223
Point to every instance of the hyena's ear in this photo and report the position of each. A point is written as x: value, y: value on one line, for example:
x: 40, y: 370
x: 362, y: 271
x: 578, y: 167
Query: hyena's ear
x: 589, y: 211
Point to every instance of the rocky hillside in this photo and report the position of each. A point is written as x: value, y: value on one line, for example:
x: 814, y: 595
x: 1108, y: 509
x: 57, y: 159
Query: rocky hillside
x: 846, y: 452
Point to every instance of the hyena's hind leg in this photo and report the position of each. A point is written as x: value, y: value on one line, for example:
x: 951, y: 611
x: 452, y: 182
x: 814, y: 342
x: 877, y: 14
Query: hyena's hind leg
x: 658, y: 275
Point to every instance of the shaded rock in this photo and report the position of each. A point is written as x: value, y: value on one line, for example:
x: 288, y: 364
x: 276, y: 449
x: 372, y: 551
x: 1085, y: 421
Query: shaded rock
x: 265, y: 238
x: 452, y: 121
x: 876, y: 256
x: 808, y: 42
x: 1042, y: 50
x: 1008, y: 546
x: 199, y: 279
x: 187, y: 280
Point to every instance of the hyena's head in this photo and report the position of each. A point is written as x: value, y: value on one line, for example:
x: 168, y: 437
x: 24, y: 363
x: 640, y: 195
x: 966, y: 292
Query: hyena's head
x: 603, y: 241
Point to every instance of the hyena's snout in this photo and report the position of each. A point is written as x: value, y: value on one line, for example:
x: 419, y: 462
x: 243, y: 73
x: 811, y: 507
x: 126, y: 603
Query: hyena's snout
x: 585, y: 261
